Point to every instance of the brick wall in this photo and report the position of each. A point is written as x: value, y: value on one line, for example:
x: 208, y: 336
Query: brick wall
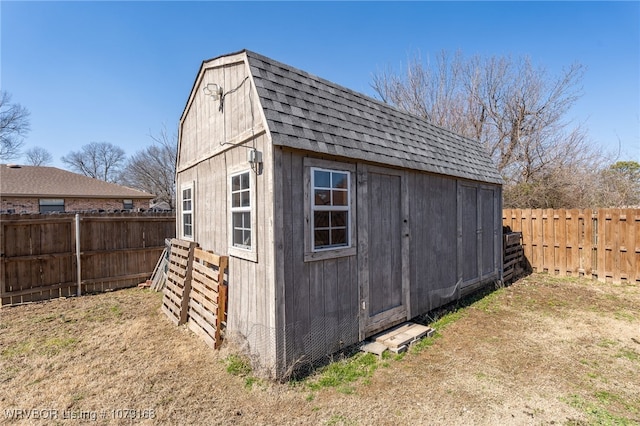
x: 32, y: 205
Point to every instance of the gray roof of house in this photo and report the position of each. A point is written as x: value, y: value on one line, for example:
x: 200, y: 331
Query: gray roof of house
x: 51, y: 182
x: 307, y: 112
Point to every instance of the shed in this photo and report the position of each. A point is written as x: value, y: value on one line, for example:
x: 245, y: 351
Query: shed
x: 342, y: 215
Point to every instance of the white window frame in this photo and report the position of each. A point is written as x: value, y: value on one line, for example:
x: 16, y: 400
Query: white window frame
x: 241, y: 251
x: 321, y: 253
x: 188, y: 186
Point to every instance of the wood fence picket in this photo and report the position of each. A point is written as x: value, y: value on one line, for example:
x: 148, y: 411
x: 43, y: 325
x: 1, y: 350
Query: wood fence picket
x: 603, y: 244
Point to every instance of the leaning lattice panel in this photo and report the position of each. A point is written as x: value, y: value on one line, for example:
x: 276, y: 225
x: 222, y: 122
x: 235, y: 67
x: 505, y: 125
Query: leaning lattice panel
x: 175, y: 301
x: 208, y: 297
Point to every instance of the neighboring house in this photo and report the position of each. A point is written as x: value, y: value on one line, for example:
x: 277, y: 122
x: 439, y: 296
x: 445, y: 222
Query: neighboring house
x: 342, y: 216
x: 39, y: 189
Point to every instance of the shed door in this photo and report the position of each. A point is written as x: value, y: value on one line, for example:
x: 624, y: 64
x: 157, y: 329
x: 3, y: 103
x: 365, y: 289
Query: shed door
x: 383, y: 243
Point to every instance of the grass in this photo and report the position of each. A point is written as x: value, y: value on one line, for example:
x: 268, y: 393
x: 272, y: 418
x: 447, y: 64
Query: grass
x: 342, y: 373
x: 55, y: 345
x: 546, y: 363
x: 240, y: 366
x: 17, y: 349
x: 629, y: 354
x: 48, y: 347
x: 597, y: 414
x: 237, y: 365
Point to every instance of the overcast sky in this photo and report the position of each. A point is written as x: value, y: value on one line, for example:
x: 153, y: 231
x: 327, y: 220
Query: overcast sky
x: 117, y: 71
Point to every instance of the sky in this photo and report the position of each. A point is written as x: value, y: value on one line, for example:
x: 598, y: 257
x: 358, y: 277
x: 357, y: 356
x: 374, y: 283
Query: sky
x: 119, y: 71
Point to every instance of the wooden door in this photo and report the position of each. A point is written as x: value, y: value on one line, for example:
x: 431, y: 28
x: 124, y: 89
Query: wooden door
x: 383, y: 249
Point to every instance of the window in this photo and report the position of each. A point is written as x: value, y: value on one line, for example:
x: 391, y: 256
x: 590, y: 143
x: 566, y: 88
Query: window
x: 187, y: 211
x: 330, y: 207
x: 127, y: 204
x: 48, y: 205
x: 241, y: 210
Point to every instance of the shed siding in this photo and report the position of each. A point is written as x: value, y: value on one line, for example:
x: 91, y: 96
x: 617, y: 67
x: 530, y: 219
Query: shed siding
x: 204, y: 128
x: 470, y: 247
x: 212, y: 144
x: 434, y: 224
x: 321, y: 296
x: 252, y: 301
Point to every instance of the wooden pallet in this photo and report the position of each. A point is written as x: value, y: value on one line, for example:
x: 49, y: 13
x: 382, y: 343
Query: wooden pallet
x: 398, y: 338
x: 178, y: 285
x: 208, y: 298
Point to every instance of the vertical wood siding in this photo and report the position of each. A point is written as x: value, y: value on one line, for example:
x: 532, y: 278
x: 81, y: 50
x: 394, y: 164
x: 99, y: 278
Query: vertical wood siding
x: 321, y: 297
x: 206, y: 162
x: 434, y: 241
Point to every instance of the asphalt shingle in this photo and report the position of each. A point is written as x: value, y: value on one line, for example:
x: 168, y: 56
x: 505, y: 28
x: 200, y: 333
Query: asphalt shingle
x: 302, y: 110
x: 51, y: 182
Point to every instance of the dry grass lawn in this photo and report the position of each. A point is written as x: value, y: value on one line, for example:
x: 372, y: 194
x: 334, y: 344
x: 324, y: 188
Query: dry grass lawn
x: 545, y: 350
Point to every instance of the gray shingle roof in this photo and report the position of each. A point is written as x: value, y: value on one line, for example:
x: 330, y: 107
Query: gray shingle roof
x: 51, y: 182
x: 306, y: 112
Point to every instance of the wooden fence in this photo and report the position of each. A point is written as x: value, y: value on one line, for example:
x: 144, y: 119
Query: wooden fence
x: 49, y: 256
x: 195, y: 292
x: 602, y: 244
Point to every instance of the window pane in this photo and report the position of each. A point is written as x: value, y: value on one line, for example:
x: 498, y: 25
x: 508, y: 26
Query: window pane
x: 186, y: 229
x: 186, y: 205
x: 235, y: 183
x: 50, y: 209
x: 322, y: 197
x: 321, y: 219
x: 186, y: 194
x: 51, y: 202
x: 340, y: 198
x: 339, y: 180
x: 244, y: 184
x: 235, y: 200
x: 186, y: 219
x: 237, y: 237
x: 321, y: 238
x: 246, y: 237
x: 322, y: 179
x: 338, y: 219
x: 237, y: 220
x: 338, y: 236
x: 244, y: 195
x: 246, y: 220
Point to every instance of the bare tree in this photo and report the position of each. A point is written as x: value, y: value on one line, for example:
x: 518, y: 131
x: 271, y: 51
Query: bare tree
x: 518, y: 111
x: 14, y: 126
x: 38, y: 156
x: 620, y: 185
x: 153, y: 169
x: 99, y: 160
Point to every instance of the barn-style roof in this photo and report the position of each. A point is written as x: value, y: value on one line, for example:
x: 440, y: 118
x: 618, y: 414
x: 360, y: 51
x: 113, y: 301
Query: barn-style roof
x: 307, y: 112
x: 51, y: 182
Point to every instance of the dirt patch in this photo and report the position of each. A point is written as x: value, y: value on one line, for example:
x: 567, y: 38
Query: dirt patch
x: 542, y: 351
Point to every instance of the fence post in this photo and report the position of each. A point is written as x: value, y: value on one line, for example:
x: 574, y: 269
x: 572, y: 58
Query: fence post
x: 78, y: 265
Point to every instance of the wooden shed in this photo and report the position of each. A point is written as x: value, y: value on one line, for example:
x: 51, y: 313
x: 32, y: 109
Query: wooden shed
x: 342, y: 215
